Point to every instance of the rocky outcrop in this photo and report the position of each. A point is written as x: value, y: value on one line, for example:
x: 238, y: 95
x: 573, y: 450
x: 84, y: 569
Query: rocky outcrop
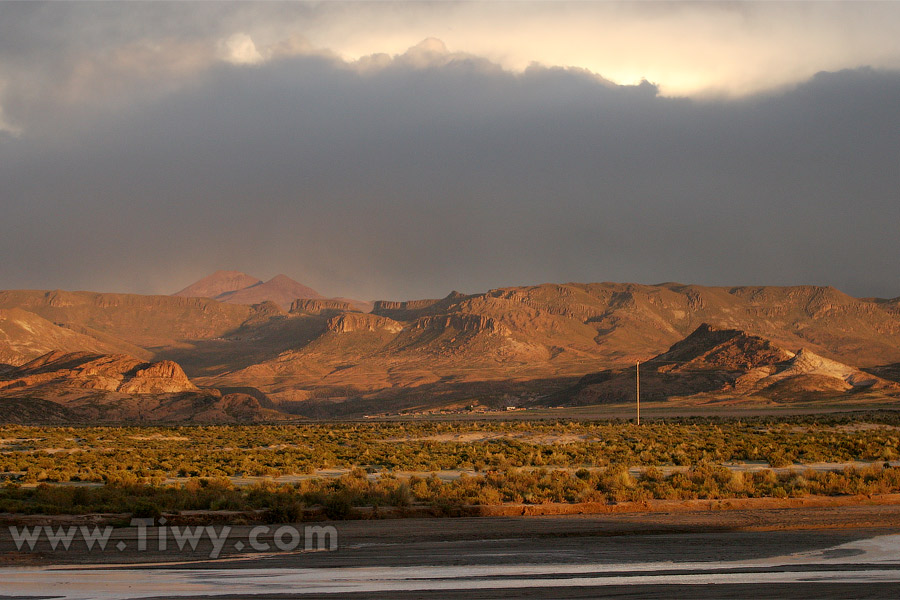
x: 263, y: 313
x: 715, y: 348
x: 64, y: 387
x: 809, y: 364
x: 309, y: 306
x: 382, y: 305
x: 413, y: 309
x: 350, y: 322
x: 112, y: 373
x: 461, y: 322
x: 164, y: 377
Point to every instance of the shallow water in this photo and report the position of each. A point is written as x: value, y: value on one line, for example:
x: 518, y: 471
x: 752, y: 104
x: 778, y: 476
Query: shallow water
x: 871, y: 560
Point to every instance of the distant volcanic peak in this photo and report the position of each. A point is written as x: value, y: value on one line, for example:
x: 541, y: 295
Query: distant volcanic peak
x: 220, y: 282
x: 283, y: 283
x: 282, y: 279
x: 281, y: 289
x: 235, y: 287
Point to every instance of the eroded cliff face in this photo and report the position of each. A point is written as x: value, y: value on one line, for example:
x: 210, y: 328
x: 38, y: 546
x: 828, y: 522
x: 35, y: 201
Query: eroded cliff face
x: 461, y: 322
x: 412, y: 309
x: 350, y: 322
x: 405, y: 305
x: 320, y: 307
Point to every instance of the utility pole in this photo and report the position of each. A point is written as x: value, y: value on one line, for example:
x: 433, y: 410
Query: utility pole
x: 637, y: 394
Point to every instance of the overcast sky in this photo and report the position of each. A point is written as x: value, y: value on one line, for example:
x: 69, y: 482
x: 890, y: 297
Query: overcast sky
x: 379, y: 150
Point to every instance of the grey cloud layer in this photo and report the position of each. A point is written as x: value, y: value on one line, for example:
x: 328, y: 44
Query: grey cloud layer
x: 408, y: 181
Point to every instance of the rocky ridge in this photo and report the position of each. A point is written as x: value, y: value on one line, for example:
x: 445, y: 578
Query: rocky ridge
x: 729, y: 362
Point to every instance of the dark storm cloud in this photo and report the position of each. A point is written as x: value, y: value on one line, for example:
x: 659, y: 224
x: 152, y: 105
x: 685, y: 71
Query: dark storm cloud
x: 408, y: 181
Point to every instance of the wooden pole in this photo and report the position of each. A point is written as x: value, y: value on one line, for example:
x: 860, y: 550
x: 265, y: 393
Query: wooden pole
x: 637, y: 395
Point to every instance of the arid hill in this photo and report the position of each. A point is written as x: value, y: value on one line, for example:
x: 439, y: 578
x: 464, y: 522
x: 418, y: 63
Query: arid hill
x: 144, y: 321
x: 509, y: 345
x: 890, y: 372
x: 713, y: 362
x: 25, y: 335
x: 80, y: 386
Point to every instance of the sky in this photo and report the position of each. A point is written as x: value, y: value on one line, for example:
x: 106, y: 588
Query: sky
x: 403, y: 150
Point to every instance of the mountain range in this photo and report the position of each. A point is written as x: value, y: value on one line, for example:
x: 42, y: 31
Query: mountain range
x: 522, y: 345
